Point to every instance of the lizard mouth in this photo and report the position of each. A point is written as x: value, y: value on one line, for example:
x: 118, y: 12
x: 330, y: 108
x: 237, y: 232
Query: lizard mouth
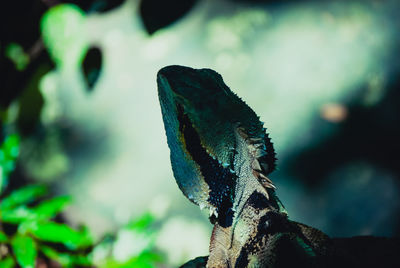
x: 220, y: 180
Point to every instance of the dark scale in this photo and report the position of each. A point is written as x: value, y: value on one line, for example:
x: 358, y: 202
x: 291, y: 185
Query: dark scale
x: 269, y: 157
x: 260, y: 201
x: 219, y: 179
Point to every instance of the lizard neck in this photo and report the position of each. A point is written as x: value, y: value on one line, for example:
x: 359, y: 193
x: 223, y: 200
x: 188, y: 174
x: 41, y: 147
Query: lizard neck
x: 251, y: 171
x: 254, y: 200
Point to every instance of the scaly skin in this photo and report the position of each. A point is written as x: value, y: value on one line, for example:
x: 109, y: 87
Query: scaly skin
x: 221, y: 157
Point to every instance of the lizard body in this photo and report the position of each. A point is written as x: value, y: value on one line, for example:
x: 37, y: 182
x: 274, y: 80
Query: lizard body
x: 221, y: 157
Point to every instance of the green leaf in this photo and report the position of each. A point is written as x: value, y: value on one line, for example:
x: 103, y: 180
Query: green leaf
x: 144, y: 260
x: 142, y: 223
x: 63, y: 259
x: 17, y: 215
x: 66, y: 259
x: 17, y: 55
x: 50, y: 208
x: 9, y: 151
x: 44, y: 211
x: 3, y: 177
x: 8, y: 262
x: 24, y: 248
x: 151, y: 256
x: 22, y: 196
x: 57, y: 233
x: 62, y: 28
x: 3, y: 237
x: 10, y: 146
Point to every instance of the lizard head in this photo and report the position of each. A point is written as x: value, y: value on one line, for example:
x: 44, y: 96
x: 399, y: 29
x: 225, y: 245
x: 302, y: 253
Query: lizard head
x: 214, y: 138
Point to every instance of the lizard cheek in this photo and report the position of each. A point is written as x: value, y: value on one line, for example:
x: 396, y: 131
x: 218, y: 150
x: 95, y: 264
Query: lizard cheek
x: 220, y: 180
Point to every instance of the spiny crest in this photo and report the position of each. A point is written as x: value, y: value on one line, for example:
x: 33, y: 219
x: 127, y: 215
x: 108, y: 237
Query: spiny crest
x: 263, y: 160
x: 255, y: 135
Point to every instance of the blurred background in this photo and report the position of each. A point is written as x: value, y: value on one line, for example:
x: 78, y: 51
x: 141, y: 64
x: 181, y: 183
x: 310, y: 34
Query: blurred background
x: 79, y: 104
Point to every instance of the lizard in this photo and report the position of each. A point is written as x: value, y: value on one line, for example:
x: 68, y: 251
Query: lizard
x: 221, y: 158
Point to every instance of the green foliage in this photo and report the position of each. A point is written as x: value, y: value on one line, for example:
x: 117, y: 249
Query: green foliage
x: 132, y: 247
x: 141, y: 223
x: 50, y: 208
x: 3, y: 237
x: 144, y: 260
x: 7, y: 262
x: 37, y: 232
x: 35, y: 226
x: 66, y: 259
x: 24, y: 248
x: 57, y: 233
x: 17, y: 55
x: 9, y: 151
x: 62, y: 28
x: 23, y: 196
